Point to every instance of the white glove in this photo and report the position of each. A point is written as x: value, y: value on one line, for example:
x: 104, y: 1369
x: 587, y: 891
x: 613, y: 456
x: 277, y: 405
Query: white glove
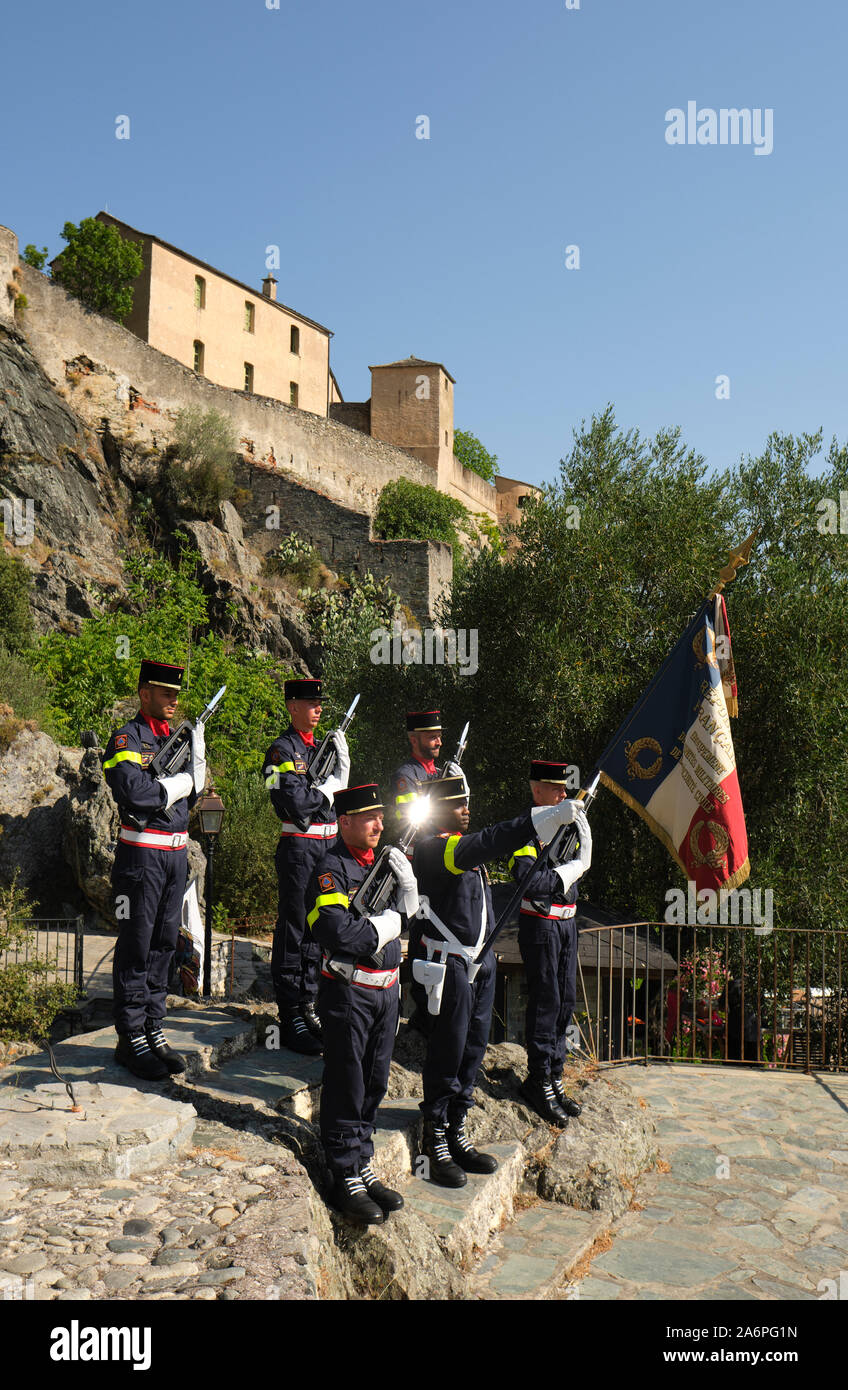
x: 454, y: 770
x: 548, y: 819
x: 342, y: 771
x: 176, y: 787
x: 387, y: 926
x: 329, y: 788
x: 569, y: 873
x: 408, y: 896
x: 198, y: 757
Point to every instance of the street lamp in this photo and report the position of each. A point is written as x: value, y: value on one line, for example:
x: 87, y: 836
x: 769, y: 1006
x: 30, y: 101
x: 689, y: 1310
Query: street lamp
x: 210, y: 809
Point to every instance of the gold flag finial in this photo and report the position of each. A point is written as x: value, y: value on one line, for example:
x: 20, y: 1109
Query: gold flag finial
x: 740, y: 555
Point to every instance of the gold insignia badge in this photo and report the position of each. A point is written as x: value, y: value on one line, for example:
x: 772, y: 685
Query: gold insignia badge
x: 634, y: 767
x: 714, y: 857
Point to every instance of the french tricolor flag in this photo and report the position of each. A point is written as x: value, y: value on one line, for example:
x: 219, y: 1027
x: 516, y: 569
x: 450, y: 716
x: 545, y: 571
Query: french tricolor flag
x: 672, y: 759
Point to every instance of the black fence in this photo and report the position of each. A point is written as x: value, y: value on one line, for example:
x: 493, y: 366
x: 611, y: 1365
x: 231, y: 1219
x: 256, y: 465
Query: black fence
x: 715, y: 994
x: 55, y: 941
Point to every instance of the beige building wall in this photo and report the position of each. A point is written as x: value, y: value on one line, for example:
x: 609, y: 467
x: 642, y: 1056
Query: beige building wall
x: 166, y: 315
x: 510, y: 491
x: 412, y: 407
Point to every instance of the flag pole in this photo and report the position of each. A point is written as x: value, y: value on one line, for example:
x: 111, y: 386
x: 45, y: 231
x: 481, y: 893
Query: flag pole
x: 739, y: 555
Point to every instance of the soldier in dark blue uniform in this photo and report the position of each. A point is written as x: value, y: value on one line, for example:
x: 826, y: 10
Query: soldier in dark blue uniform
x: 308, y: 829
x: 456, y: 905
x: 358, y: 1001
x: 547, y: 939
x: 149, y: 873
x: 409, y: 781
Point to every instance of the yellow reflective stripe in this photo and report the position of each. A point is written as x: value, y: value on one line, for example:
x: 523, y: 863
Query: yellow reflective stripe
x: 410, y: 796
x: 127, y: 757
x: 450, y: 851
x: 529, y: 850
x: 274, y: 770
x: 327, y: 900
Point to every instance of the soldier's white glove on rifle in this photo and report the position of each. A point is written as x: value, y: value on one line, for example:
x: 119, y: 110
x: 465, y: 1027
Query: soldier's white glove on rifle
x: 454, y: 770
x: 548, y: 819
x: 198, y: 757
x: 387, y: 926
x: 343, y: 754
x: 407, y: 886
x: 176, y: 787
x: 575, y: 868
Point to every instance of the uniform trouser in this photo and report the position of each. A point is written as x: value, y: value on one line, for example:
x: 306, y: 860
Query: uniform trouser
x: 549, y: 952
x: 456, y: 1045
x: 358, y: 1026
x: 149, y: 886
x: 295, y: 957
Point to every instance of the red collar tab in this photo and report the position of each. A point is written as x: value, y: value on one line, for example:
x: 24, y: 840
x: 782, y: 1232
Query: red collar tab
x: 160, y: 727
x: 365, y: 857
x: 429, y: 767
x: 307, y: 738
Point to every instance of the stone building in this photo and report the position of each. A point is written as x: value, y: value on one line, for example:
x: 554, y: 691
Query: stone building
x: 225, y: 330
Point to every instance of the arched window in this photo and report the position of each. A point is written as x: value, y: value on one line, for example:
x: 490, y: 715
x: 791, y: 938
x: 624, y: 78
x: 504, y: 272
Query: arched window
x: 199, y: 353
x: 199, y: 292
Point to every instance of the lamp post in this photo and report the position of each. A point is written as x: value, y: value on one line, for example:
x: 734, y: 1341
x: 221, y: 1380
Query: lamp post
x: 210, y: 808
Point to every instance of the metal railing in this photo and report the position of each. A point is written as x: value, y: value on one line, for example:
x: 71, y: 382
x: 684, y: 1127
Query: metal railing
x: 56, y: 941
x: 715, y: 994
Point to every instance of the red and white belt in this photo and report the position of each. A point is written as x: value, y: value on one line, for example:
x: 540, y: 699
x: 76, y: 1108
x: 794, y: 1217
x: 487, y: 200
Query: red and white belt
x: 362, y: 975
x: 315, y: 832
x: 557, y: 911
x: 154, y: 839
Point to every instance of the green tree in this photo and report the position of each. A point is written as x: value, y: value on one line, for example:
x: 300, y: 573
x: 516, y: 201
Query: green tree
x: 472, y: 454
x: 99, y: 267
x: 32, y: 256
x: 29, y: 999
x: 418, y: 512
x: 15, y: 618
x: 203, y: 449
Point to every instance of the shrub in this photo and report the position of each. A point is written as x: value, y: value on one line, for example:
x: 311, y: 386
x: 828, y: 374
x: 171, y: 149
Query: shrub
x: 203, y: 450
x: 297, y: 557
x: 99, y: 267
x: 22, y: 687
x: 245, y: 882
x: 15, y: 619
x: 471, y: 454
x: 418, y: 512
x: 29, y: 1002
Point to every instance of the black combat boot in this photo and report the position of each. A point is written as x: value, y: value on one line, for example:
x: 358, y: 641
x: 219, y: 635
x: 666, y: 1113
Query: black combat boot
x: 385, y: 1197
x: 434, y: 1146
x: 295, y: 1034
x: 463, y: 1152
x: 311, y: 1019
x: 566, y: 1103
x: 135, y: 1053
x: 174, y: 1061
x: 541, y: 1097
x: 350, y: 1197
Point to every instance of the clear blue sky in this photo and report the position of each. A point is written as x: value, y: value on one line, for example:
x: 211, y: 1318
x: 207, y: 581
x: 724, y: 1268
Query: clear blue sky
x: 296, y: 126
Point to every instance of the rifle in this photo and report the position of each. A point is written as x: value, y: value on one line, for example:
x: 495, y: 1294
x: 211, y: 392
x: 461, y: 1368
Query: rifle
x: 562, y: 845
x: 458, y: 755
x: 171, y: 759
x: 324, y: 763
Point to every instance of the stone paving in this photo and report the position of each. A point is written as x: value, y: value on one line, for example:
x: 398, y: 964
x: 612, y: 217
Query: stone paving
x: 755, y: 1205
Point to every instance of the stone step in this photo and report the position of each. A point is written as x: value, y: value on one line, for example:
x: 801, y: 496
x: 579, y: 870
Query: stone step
x: 533, y: 1257
x: 271, y: 1080
x: 206, y: 1038
x: 463, y: 1218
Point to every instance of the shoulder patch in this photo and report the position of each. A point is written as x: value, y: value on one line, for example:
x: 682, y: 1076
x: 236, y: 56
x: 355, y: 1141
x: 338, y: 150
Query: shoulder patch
x: 299, y: 765
x: 326, y: 882
x: 402, y: 784
x: 121, y: 741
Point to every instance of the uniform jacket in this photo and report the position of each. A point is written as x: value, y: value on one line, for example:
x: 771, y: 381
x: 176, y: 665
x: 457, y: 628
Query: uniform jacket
x: 545, y: 887
x: 408, y: 781
x: 126, y: 760
x: 339, y: 930
x: 293, y: 796
x: 449, y: 871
